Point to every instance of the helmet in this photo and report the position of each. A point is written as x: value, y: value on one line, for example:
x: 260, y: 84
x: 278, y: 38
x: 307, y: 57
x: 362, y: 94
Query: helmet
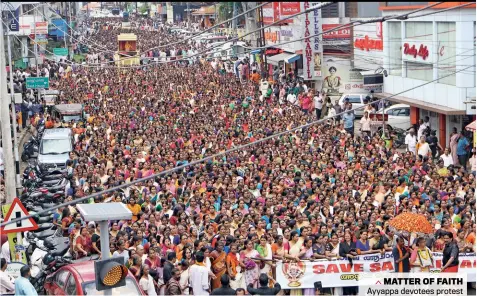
x: 48, y: 259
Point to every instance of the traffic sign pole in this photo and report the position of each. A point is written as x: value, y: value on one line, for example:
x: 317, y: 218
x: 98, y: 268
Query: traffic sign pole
x: 17, y: 254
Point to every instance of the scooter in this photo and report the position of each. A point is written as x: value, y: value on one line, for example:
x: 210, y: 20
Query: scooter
x: 50, y: 265
x: 30, y: 149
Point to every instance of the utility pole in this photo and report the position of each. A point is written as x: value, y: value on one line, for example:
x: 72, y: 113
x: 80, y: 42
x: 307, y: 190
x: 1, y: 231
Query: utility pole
x: 14, y: 121
x: 234, y: 21
x: 35, y: 43
x: 262, y: 41
x: 10, y: 193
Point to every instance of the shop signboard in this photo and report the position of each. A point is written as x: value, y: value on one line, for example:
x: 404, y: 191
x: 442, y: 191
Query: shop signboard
x: 287, y: 9
x: 417, y: 51
x: 60, y: 51
x: 340, y: 36
x: 368, y: 46
x: 307, y: 43
x: 272, y: 35
x: 271, y: 12
x: 41, y: 28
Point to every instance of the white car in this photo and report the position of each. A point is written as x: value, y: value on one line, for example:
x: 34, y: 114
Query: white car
x: 399, y: 116
x: 357, y: 100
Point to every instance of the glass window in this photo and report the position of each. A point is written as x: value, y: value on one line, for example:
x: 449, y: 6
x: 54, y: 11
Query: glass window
x: 446, y: 53
x: 71, y: 286
x: 354, y: 99
x: 395, y: 43
x: 404, y: 112
x: 419, y: 71
x: 61, y: 278
x: 55, y: 146
x: 419, y: 31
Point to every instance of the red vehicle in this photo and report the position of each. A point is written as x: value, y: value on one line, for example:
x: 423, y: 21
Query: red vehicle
x: 78, y: 279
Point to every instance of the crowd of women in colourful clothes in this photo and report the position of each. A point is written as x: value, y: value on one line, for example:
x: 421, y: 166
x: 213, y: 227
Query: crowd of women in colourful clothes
x: 316, y: 193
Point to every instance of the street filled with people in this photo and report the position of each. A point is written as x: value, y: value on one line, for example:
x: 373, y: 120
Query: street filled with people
x: 221, y: 226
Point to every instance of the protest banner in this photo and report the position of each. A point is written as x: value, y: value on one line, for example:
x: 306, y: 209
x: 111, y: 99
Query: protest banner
x: 342, y: 273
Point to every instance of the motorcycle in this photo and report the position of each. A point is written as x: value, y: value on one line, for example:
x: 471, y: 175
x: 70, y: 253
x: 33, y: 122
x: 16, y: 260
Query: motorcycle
x: 34, y: 171
x: 30, y: 149
x: 50, y: 265
x: 398, y: 135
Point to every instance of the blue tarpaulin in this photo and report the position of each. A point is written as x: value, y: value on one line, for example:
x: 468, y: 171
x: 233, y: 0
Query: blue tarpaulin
x: 58, y: 28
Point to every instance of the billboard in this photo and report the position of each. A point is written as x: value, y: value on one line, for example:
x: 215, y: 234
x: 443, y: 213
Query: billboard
x: 271, y: 12
x: 287, y: 9
x: 41, y: 28
x: 341, y: 36
x: 312, y: 45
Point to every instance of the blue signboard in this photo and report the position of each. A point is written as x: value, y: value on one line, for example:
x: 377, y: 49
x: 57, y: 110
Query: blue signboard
x: 13, y: 17
x: 58, y: 28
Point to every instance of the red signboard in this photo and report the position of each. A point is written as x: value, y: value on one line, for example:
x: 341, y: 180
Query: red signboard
x: 343, y: 33
x: 288, y: 9
x: 423, y: 52
x: 368, y: 44
x: 271, y: 12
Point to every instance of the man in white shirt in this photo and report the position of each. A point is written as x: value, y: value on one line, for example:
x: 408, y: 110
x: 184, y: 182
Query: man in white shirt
x: 447, y: 158
x: 411, y: 141
x: 6, y: 282
x: 5, y: 251
x: 199, y: 276
x: 318, y: 102
x: 423, y: 125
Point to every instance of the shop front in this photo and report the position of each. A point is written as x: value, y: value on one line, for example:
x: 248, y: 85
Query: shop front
x: 436, y: 51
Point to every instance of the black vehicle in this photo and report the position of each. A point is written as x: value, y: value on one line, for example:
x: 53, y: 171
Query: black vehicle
x: 30, y: 149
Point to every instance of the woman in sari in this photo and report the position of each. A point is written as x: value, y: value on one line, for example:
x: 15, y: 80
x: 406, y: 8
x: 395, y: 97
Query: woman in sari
x: 234, y: 268
x: 265, y: 251
x: 454, y: 139
x: 296, y: 243
x: 421, y: 257
x: 219, y: 266
x: 307, y: 253
x: 251, y: 265
x: 333, y: 251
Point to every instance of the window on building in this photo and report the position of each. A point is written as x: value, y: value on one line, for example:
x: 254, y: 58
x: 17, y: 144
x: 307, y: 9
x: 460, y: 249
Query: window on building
x: 333, y: 10
x: 395, y: 43
x: 28, y: 9
x: 419, y: 31
x: 419, y: 71
x: 446, y: 53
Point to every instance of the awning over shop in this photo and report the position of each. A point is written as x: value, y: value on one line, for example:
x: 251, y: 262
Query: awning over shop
x: 256, y: 51
x: 286, y: 57
x: 471, y: 127
x: 421, y: 104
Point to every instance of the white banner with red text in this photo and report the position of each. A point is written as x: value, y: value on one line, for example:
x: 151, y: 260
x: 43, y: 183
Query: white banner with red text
x: 341, y: 273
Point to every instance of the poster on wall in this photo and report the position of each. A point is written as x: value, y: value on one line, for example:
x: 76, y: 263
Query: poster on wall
x: 338, y: 79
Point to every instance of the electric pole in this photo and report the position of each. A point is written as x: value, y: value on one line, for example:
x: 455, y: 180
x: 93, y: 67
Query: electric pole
x: 14, y: 121
x: 10, y: 193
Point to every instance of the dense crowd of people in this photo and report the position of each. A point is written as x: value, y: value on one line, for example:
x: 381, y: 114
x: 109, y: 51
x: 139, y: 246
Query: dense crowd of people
x: 316, y: 193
